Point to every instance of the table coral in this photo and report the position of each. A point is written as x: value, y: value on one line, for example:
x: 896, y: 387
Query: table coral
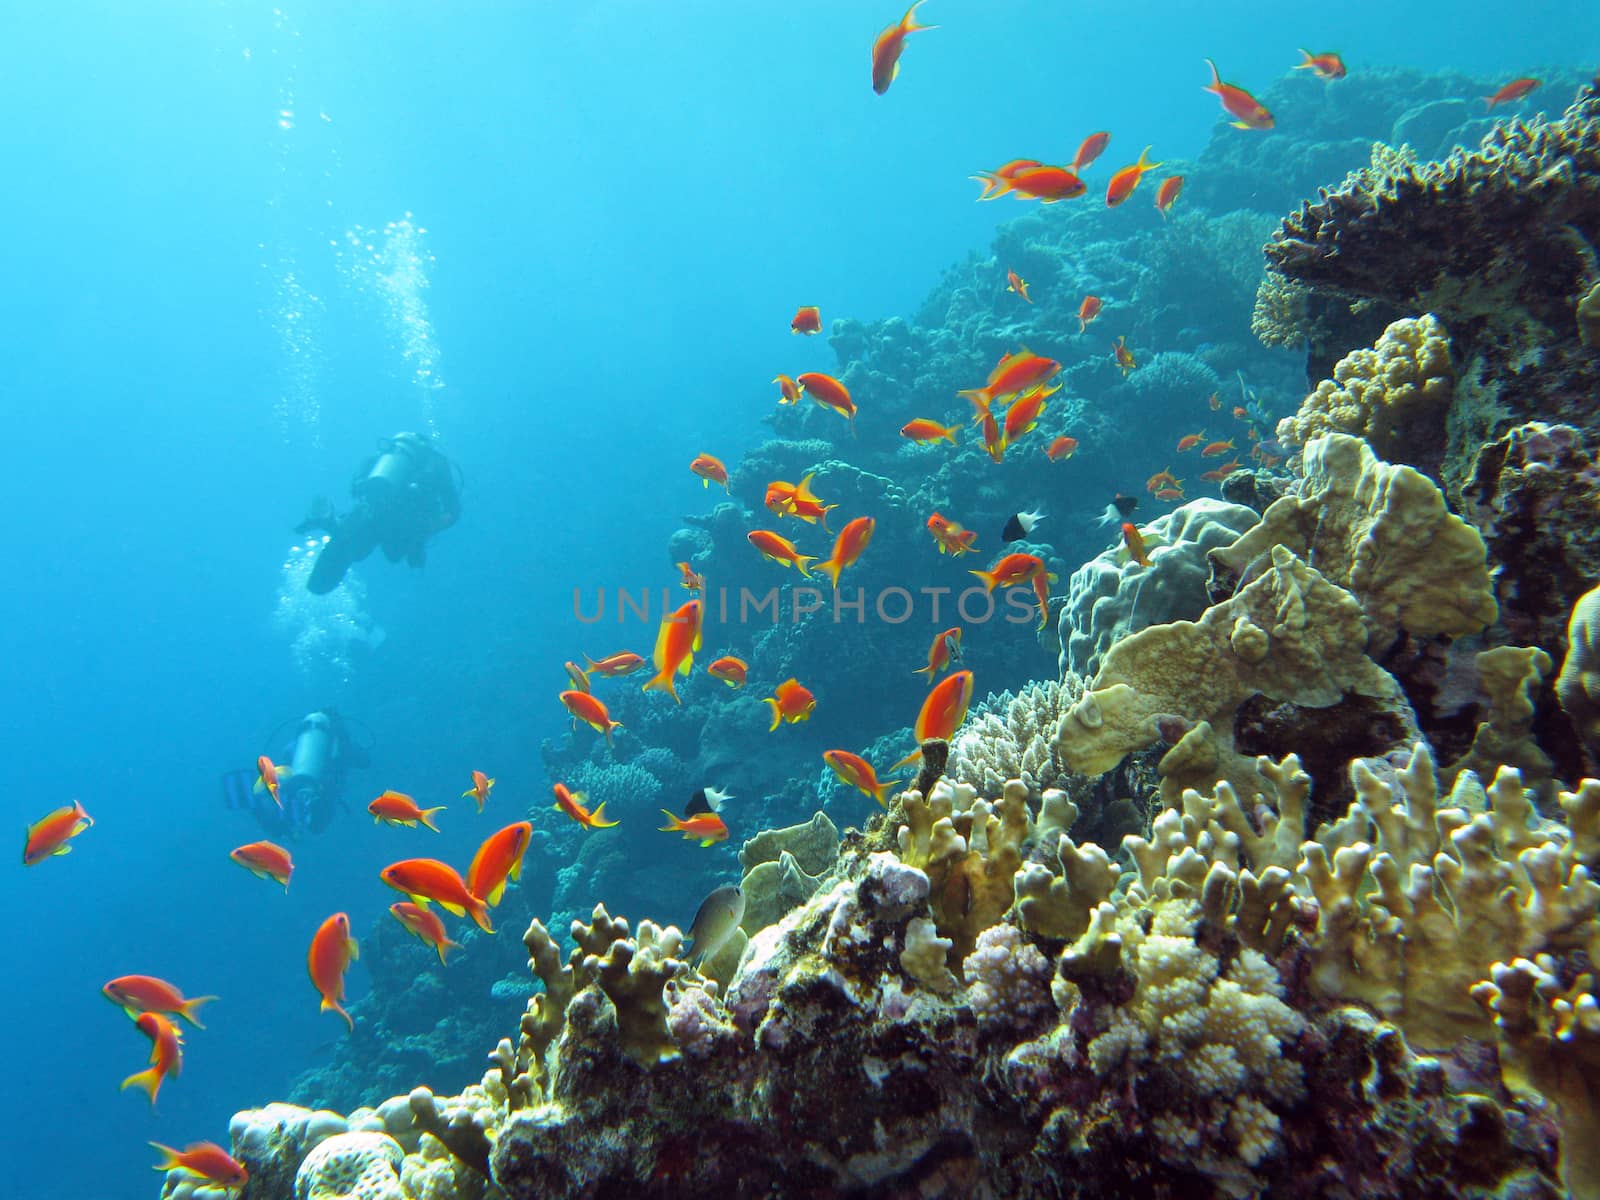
x: 1394, y: 395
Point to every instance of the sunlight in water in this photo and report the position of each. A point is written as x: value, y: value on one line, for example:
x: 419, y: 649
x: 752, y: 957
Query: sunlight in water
x: 328, y: 635
x: 390, y: 265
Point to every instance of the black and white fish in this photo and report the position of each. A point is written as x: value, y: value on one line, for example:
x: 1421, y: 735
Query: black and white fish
x: 1020, y: 526
x: 706, y: 800
x: 1119, y: 510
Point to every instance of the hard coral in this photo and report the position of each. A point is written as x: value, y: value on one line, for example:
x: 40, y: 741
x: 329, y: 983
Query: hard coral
x: 1394, y: 395
x: 1382, y: 531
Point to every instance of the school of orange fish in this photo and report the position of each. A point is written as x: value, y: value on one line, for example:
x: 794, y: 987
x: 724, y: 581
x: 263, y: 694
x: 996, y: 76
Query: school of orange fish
x: 1021, y: 380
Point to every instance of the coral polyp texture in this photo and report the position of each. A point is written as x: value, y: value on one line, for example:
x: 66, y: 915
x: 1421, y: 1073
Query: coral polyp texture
x: 1012, y: 1012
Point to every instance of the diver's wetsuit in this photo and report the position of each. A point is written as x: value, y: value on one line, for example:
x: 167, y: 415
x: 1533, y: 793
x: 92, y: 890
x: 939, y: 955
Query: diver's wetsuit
x: 404, y: 495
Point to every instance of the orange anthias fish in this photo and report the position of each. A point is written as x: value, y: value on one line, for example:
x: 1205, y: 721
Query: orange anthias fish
x: 136, y: 994
x: 397, y: 808
x: 1062, y: 447
x: 1047, y: 184
x: 807, y: 320
x: 788, y: 389
x: 1123, y: 182
x: 591, y: 710
x: 267, y: 778
x: 732, y: 671
x: 1091, y: 148
x: 1135, y: 544
x: 692, y: 582
x: 481, y: 784
x: 1123, y: 356
x: 923, y: 431
x: 944, y: 709
x: 166, y: 1053
x: 858, y: 773
x: 952, y: 538
x: 1213, y: 449
x: 942, y: 713
x: 993, y: 442
x: 779, y: 549
x: 1190, y: 440
x: 1240, y: 413
x: 798, y: 500
x: 425, y: 923
x: 1010, y: 571
x: 332, y: 951
x: 50, y: 834
x: 1222, y: 472
x: 830, y: 393
x: 847, y: 548
x: 1167, y: 194
x: 1214, y: 401
x: 205, y: 1159
x: 1001, y: 177
x: 1323, y: 66
x: 707, y: 827
x: 1014, y: 283
x: 1088, y: 311
x: 1247, y: 111
x: 614, y: 666
x: 498, y: 859
x: 425, y: 879
x: 1170, y: 494
x: 1023, y: 413
x: 1162, y: 479
x: 946, y: 648
x: 676, y: 641
x: 574, y: 805
x: 791, y: 702
x: 577, y: 675
x: 889, y: 44
x: 1041, y: 593
x: 710, y: 470
x: 265, y: 860
x: 1515, y: 90
x: 1014, y: 373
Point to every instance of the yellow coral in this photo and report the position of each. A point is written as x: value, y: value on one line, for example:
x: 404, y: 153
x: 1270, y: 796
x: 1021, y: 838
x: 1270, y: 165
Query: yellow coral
x: 1387, y: 395
x: 1385, y: 533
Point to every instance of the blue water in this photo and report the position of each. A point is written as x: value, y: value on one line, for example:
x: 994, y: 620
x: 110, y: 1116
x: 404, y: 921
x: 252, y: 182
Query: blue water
x: 623, y: 204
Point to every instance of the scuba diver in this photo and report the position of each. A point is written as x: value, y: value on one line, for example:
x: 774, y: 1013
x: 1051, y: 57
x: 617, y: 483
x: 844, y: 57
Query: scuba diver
x: 404, y: 494
x: 310, y: 776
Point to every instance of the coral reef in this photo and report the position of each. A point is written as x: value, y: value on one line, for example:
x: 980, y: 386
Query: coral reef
x: 1111, y: 596
x: 1394, y: 395
x: 1498, y: 242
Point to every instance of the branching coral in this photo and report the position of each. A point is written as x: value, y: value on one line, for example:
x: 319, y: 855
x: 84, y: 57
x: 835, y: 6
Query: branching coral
x: 1279, y: 317
x: 1510, y: 677
x: 1394, y: 395
x: 1384, y: 533
x: 1013, y: 737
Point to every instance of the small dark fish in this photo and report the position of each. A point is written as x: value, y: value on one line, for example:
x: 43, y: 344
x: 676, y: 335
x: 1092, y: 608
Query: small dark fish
x: 1119, y: 510
x: 719, y: 915
x: 706, y: 800
x: 1020, y: 526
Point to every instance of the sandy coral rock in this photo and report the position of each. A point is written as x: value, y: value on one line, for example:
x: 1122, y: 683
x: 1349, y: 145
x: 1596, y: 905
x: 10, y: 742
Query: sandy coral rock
x: 351, y: 1166
x: 1111, y: 596
x: 1394, y: 395
x: 1578, y: 685
x: 1531, y: 493
x: 1384, y: 533
x: 773, y: 888
x: 1190, y: 670
x: 814, y: 844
